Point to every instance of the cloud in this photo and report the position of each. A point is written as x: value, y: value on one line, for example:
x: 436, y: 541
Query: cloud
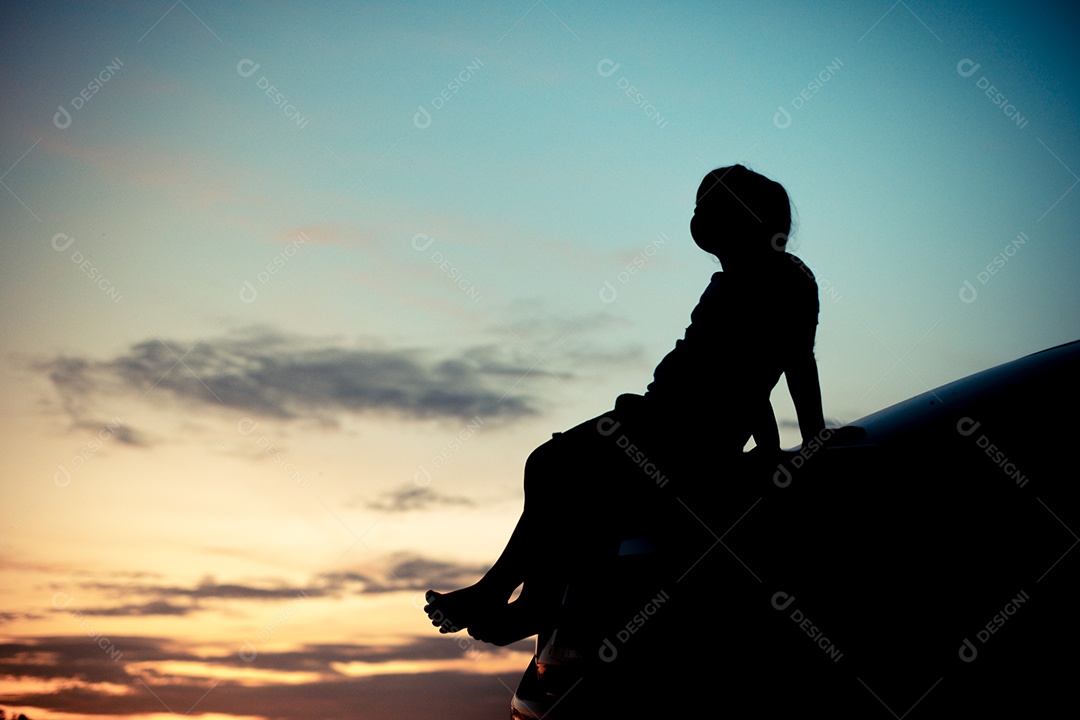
x: 207, y: 589
x: 411, y: 497
x: 75, y: 657
x: 404, y: 572
x: 155, y: 607
x: 81, y: 673
x: 114, y: 428
x: 449, y: 695
x: 422, y: 572
x: 323, y: 658
x: 265, y: 373
x: 79, y: 656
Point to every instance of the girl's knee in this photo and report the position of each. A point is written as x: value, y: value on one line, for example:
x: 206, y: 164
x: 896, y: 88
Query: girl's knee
x: 541, y: 468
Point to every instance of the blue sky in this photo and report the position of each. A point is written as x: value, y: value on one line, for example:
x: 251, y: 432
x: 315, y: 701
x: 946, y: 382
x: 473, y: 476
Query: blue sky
x: 399, y: 264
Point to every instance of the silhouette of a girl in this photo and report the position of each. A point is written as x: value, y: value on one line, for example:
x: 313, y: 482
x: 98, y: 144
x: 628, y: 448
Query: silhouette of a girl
x: 756, y: 320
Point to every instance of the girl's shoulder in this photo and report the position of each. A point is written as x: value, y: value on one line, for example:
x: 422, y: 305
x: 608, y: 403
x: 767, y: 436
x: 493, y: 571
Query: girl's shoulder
x: 795, y: 263
x: 798, y: 280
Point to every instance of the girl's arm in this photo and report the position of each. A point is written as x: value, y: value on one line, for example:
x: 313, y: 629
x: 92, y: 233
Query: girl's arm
x: 802, y: 381
x: 766, y: 435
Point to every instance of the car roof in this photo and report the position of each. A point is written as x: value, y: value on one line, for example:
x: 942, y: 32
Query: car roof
x: 1019, y: 388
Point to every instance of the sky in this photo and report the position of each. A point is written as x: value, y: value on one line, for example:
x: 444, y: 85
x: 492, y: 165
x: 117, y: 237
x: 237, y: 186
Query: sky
x: 292, y: 290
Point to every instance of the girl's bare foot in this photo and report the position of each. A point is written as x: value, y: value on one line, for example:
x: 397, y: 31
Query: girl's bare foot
x: 454, y: 611
x: 512, y: 622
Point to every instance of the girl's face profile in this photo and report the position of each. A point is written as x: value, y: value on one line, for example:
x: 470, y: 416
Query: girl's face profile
x: 706, y: 230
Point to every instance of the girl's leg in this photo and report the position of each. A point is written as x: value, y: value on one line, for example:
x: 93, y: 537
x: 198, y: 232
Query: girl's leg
x: 456, y: 610
x: 520, y: 559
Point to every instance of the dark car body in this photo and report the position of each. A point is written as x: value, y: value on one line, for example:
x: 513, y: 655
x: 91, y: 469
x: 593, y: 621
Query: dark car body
x: 919, y: 563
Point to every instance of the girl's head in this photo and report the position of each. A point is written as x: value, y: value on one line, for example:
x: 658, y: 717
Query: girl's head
x: 741, y: 217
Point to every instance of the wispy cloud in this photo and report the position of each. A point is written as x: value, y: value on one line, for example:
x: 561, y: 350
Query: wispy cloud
x: 154, y: 607
x: 394, y: 573
x: 146, y: 599
x: 136, y: 679
x: 402, y: 573
x: 270, y: 374
x: 411, y: 497
x: 75, y: 656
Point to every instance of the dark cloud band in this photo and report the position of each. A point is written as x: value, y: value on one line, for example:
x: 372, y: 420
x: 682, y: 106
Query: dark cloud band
x: 287, y: 377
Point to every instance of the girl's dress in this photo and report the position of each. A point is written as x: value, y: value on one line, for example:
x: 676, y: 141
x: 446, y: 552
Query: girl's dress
x: 699, y: 411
